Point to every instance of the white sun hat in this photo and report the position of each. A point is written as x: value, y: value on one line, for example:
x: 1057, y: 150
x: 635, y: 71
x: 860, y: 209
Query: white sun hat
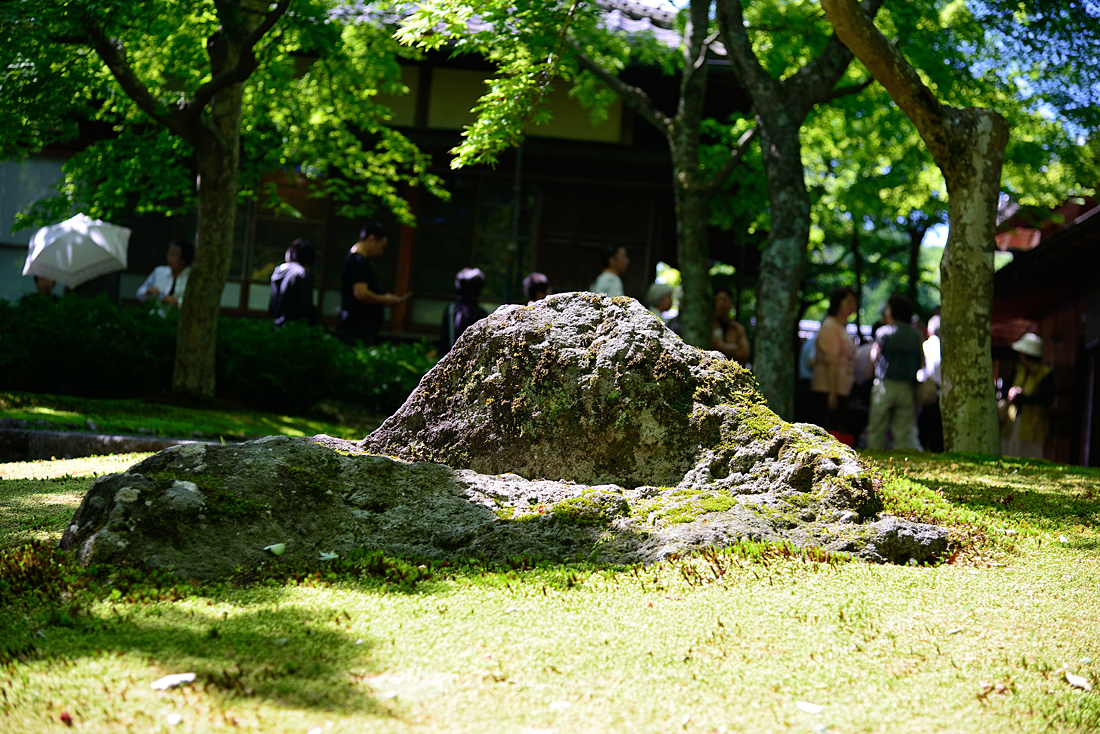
x: 1029, y: 344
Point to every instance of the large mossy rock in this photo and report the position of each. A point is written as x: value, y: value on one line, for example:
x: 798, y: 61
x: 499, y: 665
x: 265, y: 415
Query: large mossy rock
x: 577, y: 428
x: 584, y: 388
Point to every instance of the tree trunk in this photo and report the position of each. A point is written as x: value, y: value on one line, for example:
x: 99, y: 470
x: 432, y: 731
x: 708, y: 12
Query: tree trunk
x: 968, y: 403
x: 916, y: 237
x: 781, y: 263
x: 781, y: 106
x: 857, y: 258
x: 196, y: 344
x: 217, y: 153
x: 968, y: 146
x: 696, y: 302
x: 691, y: 191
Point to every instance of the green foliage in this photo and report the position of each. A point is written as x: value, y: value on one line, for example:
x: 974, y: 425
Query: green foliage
x: 128, y: 352
x: 528, y: 58
x: 310, y: 104
x: 1052, y: 49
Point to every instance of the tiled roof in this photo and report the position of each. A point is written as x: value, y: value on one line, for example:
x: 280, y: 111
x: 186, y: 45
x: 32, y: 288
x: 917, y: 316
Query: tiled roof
x: 623, y: 15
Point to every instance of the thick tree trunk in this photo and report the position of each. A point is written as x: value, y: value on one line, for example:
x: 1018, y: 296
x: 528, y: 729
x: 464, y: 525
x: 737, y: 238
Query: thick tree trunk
x: 781, y: 263
x: 967, y: 402
x: 968, y: 146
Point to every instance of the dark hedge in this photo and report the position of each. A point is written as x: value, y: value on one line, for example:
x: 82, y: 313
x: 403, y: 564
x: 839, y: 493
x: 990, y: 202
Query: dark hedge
x: 89, y: 347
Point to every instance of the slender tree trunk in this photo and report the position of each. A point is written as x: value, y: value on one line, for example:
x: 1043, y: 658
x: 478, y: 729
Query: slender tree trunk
x: 217, y: 153
x: 692, y: 252
x: 857, y: 259
x: 916, y: 237
x: 781, y: 263
x: 781, y: 106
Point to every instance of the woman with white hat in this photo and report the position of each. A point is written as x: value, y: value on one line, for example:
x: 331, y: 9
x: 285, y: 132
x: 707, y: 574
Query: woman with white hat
x: 1026, y: 410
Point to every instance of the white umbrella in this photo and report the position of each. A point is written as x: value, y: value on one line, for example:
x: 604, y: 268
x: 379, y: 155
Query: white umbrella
x: 77, y: 250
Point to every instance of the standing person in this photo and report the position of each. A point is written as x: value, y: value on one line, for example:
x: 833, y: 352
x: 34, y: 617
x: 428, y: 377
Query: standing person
x: 361, y: 302
x: 464, y: 311
x: 658, y: 299
x: 835, y: 363
x: 536, y: 287
x: 292, y: 285
x: 43, y: 288
x: 610, y: 281
x: 727, y: 335
x: 803, y: 410
x: 168, y: 282
x: 898, y: 356
x: 930, y: 422
x: 1027, y: 403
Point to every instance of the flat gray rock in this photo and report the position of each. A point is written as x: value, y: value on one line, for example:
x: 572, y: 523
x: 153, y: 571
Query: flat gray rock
x: 577, y: 428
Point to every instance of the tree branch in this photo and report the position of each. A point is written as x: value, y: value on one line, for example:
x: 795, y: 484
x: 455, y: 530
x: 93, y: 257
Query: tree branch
x: 632, y: 96
x: 814, y: 82
x: 731, y: 22
x: 240, y: 71
x: 113, y: 54
x: 734, y: 158
x: 849, y: 90
x: 856, y: 29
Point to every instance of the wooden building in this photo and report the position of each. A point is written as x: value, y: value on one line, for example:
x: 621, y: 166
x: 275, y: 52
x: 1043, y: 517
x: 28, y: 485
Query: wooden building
x: 1052, y: 288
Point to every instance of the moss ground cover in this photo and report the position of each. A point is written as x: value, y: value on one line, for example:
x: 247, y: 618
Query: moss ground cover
x: 61, y: 413
x: 726, y: 641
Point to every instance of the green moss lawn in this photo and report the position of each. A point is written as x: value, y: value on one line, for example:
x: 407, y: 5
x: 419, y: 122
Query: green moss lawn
x: 133, y: 416
x: 759, y: 640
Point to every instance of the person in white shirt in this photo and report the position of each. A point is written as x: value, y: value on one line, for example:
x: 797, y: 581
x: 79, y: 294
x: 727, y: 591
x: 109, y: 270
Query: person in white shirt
x: 930, y: 420
x: 610, y: 282
x: 167, y: 283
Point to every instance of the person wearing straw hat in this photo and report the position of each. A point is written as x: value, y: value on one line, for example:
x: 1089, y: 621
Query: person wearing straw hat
x: 1025, y: 410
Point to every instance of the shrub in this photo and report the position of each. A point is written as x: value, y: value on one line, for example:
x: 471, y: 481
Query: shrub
x: 381, y: 377
x: 89, y: 347
x: 84, y: 346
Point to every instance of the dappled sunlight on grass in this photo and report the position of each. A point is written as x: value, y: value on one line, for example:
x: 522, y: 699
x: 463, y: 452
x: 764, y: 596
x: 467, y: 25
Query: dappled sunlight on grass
x: 1025, y: 495
x: 134, y: 416
x: 700, y: 643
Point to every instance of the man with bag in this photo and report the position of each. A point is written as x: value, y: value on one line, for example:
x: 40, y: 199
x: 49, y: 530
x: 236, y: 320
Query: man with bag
x: 898, y: 356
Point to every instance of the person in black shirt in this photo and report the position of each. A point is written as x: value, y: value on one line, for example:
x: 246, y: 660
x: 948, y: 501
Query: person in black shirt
x: 464, y: 311
x: 361, y: 302
x: 292, y: 285
x: 897, y: 355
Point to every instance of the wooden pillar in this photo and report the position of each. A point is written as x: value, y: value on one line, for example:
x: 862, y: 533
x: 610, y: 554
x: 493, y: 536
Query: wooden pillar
x: 405, y: 253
